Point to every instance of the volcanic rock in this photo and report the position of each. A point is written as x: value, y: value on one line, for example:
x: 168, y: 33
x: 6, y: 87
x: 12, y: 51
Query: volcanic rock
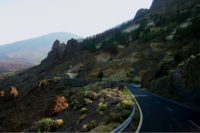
x: 1, y: 94
x: 55, y: 53
x: 71, y: 48
x: 55, y: 105
x: 11, y: 93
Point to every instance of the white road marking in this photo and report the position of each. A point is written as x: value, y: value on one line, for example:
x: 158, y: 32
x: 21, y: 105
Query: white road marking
x: 194, y: 123
x: 169, y: 109
x: 157, y: 102
x: 171, y: 101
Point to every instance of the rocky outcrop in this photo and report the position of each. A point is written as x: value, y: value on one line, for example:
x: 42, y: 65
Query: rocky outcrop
x: 167, y: 6
x: 55, y: 105
x: 55, y: 53
x: 154, y: 74
x: 140, y: 13
x: 71, y: 48
x: 48, y: 83
x: 1, y: 94
x: 11, y: 93
x: 180, y: 84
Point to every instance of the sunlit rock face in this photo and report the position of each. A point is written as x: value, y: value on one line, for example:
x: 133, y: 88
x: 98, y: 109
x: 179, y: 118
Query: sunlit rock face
x: 167, y: 6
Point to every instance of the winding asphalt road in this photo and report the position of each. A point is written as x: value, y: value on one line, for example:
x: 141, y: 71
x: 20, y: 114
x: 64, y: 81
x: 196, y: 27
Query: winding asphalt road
x: 161, y: 115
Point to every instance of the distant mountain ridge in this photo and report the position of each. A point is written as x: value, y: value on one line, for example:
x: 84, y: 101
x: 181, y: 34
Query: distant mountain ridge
x: 32, y: 51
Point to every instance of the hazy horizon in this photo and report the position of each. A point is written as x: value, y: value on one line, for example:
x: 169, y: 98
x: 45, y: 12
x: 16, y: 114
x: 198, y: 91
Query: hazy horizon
x: 22, y: 19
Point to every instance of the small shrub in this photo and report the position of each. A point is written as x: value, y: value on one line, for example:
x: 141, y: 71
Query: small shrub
x: 100, y: 75
x: 84, y: 128
x: 126, y: 92
x: 113, y: 118
x: 124, y: 105
x: 114, y: 124
x: 126, y: 113
x: 92, y: 124
x: 74, y: 102
x: 89, y: 126
x: 48, y: 123
x: 128, y: 104
x: 118, y: 101
x: 83, y: 110
x: 101, y: 107
x: 86, y: 92
x: 74, y: 108
x: 120, y: 107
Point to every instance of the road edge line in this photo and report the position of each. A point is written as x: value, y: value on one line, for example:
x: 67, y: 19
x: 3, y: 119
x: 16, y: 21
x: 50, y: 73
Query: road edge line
x: 171, y: 101
x: 141, y: 115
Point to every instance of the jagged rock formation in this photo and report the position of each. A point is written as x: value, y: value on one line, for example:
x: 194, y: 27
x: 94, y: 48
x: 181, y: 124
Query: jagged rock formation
x: 62, y: 51
x: 55, y: 53
x: 71, y: 48
x: 167, y: 6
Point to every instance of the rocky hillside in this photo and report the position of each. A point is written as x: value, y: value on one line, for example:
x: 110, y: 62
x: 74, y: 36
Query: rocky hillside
x: 170, y: 6
x: 60, y: 105
x: 160, y: 51
x: 30, y: 52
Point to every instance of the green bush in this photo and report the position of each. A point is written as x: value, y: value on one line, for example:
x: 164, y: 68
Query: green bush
x: 48, y: 124
x: 126, y: 92
x: 83, y: 110
x: 86, y: 92
x: 89, y: 126
x: 114, y: 118
x: 101, y: 108
x: 126, y: 113
x: 120, y: 107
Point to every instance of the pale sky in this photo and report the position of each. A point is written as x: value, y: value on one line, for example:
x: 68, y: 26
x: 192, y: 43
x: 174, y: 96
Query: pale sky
x: 24, y: 19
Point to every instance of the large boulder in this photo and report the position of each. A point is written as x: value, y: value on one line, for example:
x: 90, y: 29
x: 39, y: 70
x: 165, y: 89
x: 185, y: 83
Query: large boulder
x: 55, y: 105
x: 11, y: 93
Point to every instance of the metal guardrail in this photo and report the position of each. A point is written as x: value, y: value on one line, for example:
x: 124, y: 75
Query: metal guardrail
x: 125, y: 123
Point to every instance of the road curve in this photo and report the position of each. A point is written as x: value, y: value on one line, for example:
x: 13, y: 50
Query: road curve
x: 160, y: 115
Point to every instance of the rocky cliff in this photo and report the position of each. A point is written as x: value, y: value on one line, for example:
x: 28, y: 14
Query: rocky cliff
x: 55, y: 53
x: 141, y: 12
x: 168, y: 6
x: 71, y: 48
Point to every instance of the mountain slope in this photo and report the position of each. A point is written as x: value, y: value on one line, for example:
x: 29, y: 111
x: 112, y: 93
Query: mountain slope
x: 24, y: 54
x: 33, y: 50
x: 159, y: 50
